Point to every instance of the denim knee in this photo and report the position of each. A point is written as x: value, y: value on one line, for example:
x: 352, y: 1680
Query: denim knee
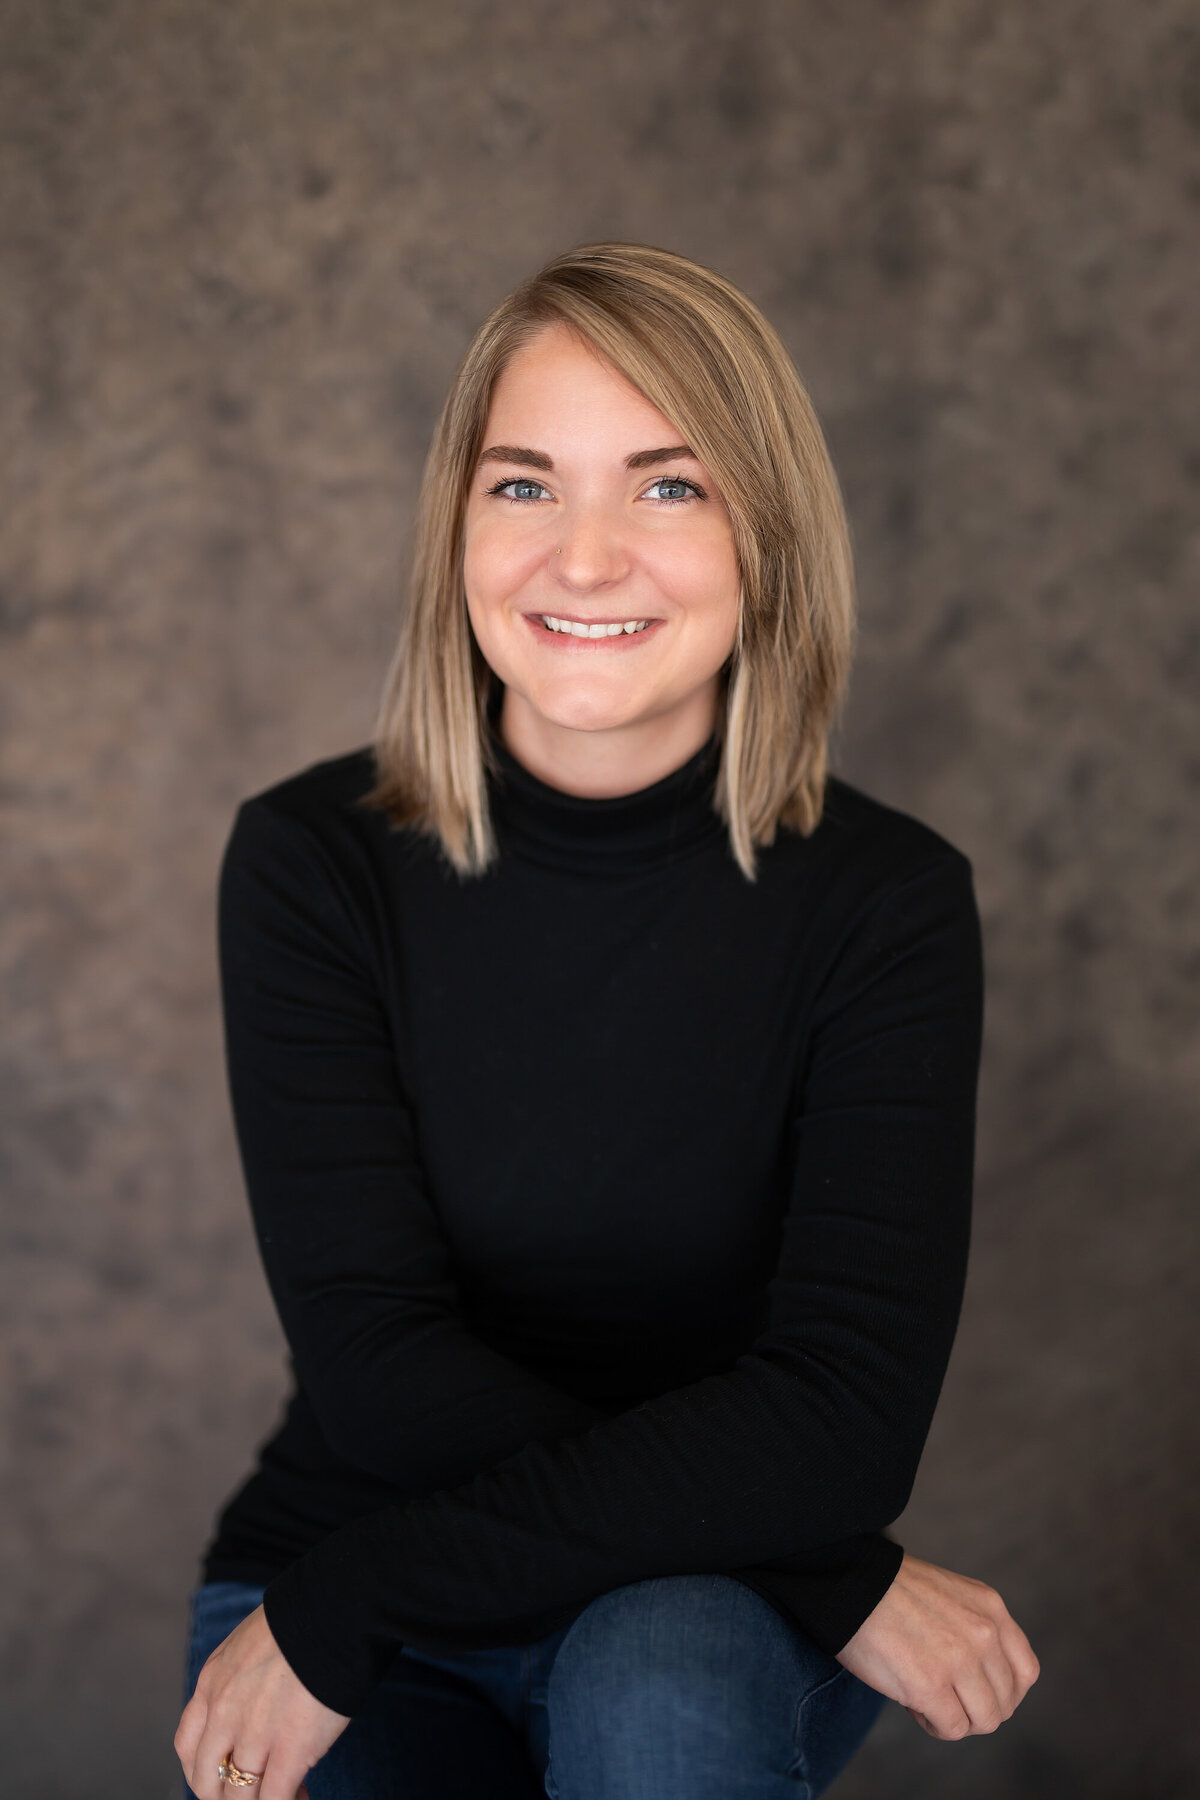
x: 694, y: 1685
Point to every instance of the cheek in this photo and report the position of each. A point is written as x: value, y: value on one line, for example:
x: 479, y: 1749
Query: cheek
x: 702, y: 578
x: 494, y: 562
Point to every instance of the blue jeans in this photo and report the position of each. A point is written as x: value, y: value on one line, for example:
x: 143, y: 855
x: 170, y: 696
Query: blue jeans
x: 684, y: 1687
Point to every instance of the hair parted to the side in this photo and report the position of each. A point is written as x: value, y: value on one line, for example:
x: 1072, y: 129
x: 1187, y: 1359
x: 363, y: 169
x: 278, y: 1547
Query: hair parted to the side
x: 701, y: 352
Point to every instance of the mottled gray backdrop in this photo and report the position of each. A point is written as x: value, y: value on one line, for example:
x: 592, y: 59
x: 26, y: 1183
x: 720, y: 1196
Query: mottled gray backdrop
x: 243, y: 248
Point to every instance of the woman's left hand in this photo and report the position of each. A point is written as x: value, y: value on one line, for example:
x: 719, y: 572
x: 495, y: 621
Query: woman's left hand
x: 248, y: 1705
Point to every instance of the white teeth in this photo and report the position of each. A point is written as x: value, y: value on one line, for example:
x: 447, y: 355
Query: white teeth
x: 593, y: 631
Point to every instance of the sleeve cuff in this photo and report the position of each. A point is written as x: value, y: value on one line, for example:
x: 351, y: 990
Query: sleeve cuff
x: 829, y: 1593
x: 340, y: 1667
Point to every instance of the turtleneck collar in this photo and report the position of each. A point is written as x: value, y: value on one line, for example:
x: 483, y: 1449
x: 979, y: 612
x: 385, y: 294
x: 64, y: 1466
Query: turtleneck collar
x: 653, y: 826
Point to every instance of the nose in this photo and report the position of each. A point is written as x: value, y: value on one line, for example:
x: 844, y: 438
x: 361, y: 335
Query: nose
x: 590, y: 553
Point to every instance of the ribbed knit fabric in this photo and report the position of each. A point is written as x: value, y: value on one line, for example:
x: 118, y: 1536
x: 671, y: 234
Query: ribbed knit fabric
x: 616, y: 1209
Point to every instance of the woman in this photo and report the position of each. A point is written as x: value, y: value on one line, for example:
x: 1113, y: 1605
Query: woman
x: 604, y: 1075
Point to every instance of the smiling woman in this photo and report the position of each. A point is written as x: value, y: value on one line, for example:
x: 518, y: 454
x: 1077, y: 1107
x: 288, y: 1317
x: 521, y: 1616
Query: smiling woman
x: 604, y: 1077
x: 626, y: 441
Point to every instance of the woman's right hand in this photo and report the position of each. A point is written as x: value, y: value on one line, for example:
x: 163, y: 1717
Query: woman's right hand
x: 946, y: 1648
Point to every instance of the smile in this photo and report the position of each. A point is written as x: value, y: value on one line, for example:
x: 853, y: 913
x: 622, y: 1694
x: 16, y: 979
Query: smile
x: 600, y: 629
x: 552, y: 629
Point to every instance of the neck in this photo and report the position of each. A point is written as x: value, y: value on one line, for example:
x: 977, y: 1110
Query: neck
x: 662, y: 822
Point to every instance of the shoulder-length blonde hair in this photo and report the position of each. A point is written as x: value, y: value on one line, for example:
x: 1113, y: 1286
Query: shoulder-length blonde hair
x: 703, y: 354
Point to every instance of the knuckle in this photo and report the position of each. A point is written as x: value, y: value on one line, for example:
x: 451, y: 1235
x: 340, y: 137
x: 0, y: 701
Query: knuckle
x: 984, y: 1595
x: 982, y: 1634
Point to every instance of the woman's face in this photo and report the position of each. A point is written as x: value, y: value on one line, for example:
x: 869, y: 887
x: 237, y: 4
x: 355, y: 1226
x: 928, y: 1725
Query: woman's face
x: 585, y: 508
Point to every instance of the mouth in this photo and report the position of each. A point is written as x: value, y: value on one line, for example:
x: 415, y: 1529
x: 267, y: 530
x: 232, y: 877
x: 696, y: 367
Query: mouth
x: 560, y: 632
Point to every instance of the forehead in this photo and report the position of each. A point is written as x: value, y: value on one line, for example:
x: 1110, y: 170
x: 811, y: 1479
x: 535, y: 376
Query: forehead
x: 559, y: 383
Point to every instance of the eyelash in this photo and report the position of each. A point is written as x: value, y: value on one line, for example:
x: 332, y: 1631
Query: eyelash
x: 528, y: 500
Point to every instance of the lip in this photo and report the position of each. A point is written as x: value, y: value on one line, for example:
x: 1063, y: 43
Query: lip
x: 566, y: 641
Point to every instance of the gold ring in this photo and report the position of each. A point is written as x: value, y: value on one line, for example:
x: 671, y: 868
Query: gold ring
x: 229, y: 1771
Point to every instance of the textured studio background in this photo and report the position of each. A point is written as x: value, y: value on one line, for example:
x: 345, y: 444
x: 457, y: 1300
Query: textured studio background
x: 243, y: 248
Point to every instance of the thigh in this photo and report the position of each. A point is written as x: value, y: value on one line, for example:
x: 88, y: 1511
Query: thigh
x: 693, y: 1687
x: 515, y: 1678
x: 425, y: 1733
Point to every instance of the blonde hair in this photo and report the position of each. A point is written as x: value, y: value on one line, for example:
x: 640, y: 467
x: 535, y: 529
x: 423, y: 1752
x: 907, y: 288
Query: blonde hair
x: 701, y: 352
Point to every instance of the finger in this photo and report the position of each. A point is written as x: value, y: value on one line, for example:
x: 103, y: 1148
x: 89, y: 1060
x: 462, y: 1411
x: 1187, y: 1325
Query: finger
x: 204, y: 1780
x: 203, y: 1777
x: 189, y: 1730
x: 979, y: 1700
x: 1007, y: 1666
x: 990, y: 1641
x: 949, y: 1734
x: 251, y: 1757
x: 1019, y: 1652
x: 282, y: 1779
x: 946, y: 1716
x: 999, y: 1672
x: 1025, y: 1664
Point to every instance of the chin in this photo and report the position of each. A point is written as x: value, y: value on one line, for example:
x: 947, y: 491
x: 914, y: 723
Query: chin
x: 580, y: 705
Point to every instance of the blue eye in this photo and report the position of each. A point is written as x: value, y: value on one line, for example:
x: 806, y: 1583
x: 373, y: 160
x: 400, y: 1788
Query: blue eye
x: 688, y: 490
x: 519, y: 481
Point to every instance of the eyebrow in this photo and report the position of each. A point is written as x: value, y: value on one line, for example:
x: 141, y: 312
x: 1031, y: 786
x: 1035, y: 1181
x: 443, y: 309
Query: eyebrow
x: 537, y: 459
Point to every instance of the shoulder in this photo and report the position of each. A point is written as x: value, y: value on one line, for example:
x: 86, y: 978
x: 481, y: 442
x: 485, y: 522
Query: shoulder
x: 875, y: 883
x: 321, y: 805
x: 897, y: 906
x: 320, y: 792
x: 862, y: 824
x: 869, y: 849
x: 310, y: 830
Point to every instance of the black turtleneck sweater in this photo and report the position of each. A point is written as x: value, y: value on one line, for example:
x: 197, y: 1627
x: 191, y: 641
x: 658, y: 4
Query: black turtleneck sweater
x: 616, y: 1208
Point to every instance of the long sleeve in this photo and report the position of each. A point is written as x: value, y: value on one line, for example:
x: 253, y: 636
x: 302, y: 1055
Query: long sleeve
x: 810, y: 1439
x: 356, y: 1262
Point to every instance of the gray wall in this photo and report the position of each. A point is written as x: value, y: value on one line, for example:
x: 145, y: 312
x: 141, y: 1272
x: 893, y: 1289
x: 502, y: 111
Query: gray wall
x: 243, y: 247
